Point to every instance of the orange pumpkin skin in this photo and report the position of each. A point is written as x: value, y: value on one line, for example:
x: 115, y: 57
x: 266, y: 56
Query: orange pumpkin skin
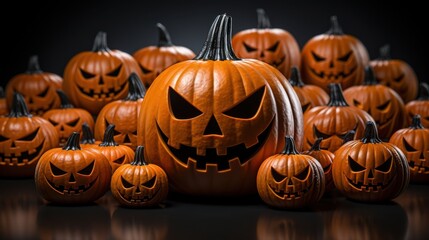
x: 3, y: 105
x: 333, y: 121
x: 154, y: 59
x: 274, y: 46
x: 290, y: 180
x: 37, y: 87
x: 23, y: 140
x: 139, y: 184
x: 396, y: 74
x: 414, y: 143
x: 370, y: 170
x: 383, y: 104
x: 333, y: 57
x: 202, y: 109
x: 94, y: 78
x: 71, y: 175
x: 420, y: 106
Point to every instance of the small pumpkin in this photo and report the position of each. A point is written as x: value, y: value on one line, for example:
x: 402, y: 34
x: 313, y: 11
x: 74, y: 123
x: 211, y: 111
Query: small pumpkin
x: 23, y: 140
x: 290, y: 180
x: 396, y: 74
x: 68, y: 119
x: 334, y: 57
x: 274, y: 46
x: 154, y: 59
x: 37, y: 87
x: 88, y: 139
x: 3, y: 105
x: 370, y: 170
x: 420, y: 106
x: 123, y: 114
x: 414, y: 143
x: 333, y: 121
x: 139, y: 184
x: 71, y: 175
x: 94, y: 78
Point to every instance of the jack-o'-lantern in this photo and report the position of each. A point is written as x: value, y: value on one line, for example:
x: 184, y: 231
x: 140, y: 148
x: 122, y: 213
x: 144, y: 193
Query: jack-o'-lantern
x: 139, y: 184
x: 71, y: 175
x: 23, y: 140
x: 94, y: 78
x: 37, y: 87
x: 396, y: 74
x: 274, y: 46
x: 123, y: 114
x: 420, y: 106
x: 3, y: 105
x: 333, y: 121
x: 383, y: 104
x: 334, y: 57
x: 370, y: 170
x: 154, y: 59
x: 195, y: 121
x: 68, y: 119
x: 290, y: 180
x: 414, y: 143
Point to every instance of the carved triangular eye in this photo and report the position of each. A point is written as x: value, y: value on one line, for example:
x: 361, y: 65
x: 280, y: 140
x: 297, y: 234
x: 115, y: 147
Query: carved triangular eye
x: 88, y: 169
x: 273, y: 48
x: 2, y: 138
x: 384, y: 106
x: 345, y: 57
x: 276, y: 175
x: 319, y: 134
x: 120, y: 160
x: 145, y: 70
x: 180, y: 107
x: 73, y: 123
x: 325, y: 169
x: 407, y: 146
x: 44, y: 93
x: 354, y: 166
x: 86, y: 74
x: 150, y: 183
x: 30, y: 136
x: 115, y: 72
x: 56, y: 171
x: 249, y: 48
x: 303, y: 174
x: 358, y: 104
x: 317, y: 58
x: 125, y: 183
x: 385, y: 167
x: 399, y: 78
x: 248, y: 107
x: 53, y: 122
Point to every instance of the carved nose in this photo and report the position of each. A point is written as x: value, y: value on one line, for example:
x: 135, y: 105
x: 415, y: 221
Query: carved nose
x: 30, y: 100
x: 101, y: 81
x: 289, y: 182
x: 331, y: 64
x: 13, y: 144
x: 72, y: 178
x: 370, y: 175
x: 137, y: 190
x: 62, y: 128
x: 262, y: 54
x: 127, y: 139
x: 212, y: 127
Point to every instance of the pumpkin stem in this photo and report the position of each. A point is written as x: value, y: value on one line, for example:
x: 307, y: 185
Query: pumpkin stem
x: 385, y: 52
x: 416, y: 123
x: 336, y: 96
x: 350, y: 135
x: 33, y: 65
x: 164, y: 37
x: 136, y: 90
x: 87, y: 135
x: 424, y: 92
x: 369, y: 76
x: 65, y: 103
x: 335, y: 27
x: 263, y: 20
x: 316, y: 145
x: 73, y: 142
x: 295, y: 77
x: 19, y: 107
x: 139, y: 157
x: 371, y: 134
x: 218, y: 42
x: 290, y: 148
x: 1, y: 92
x: 108, y: 140
x: 100, y: 43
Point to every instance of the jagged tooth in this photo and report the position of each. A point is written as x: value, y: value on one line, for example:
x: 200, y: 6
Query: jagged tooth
x: 201, y: 151
x: 234, y: 164
x: 221, y: 151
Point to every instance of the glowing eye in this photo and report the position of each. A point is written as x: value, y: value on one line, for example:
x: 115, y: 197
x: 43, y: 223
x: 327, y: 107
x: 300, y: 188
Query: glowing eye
x: 44, y: 93
x: 354, y: 166
x: 30, y: 136
x: 303, y: 174
x: 86, y: 74
x: 115, y: 72
x: 56, y: 171
x: 125, y: 183
x: 276, y: 175
x: 248, y: 107
x: 317, y: 58
x: 249, y: 48
x: 274, y: 47
x: 88, y: 169
x: 385, y: 167
x: 150, y: 183
x: 345, y: 57
x: 180, y: 107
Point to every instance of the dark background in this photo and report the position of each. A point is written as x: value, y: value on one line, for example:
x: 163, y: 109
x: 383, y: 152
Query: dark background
x: 57, y: 33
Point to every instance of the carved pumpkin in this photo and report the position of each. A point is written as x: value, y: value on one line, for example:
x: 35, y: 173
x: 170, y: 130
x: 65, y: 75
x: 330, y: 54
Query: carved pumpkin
x: 370, y: 170
x: 71, y: 175
x: 419, y: 106
x: 309, y: 95
x: 396, y: 74
x: 274, y: 46
x: 195, y: 121
x: 290, y: 180
x: 333, y: 57
x: 123, y: 114
x: 414, y: 143
x: 3, y: 105
x: 68, y: 119
x: 333, y: 121
x: 88, y: 139
x: 94, y: 78
x: 23, y: 140
x: 154, y: 59
x: 383, y: 104
x: 139, y: 184
x: 37, y: 87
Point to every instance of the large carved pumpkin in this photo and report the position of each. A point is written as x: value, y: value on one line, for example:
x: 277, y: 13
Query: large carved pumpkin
x: 211, y: 121
x: 333, y: 57
x: 3, y: 105
x: 274, y: 46
x: 420, y: 106
x: 94, y: 78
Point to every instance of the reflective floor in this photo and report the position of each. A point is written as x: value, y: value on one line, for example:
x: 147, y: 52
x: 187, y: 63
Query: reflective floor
x: 24, y: 216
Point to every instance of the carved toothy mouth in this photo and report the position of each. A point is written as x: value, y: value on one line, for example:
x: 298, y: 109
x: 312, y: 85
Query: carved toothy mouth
x: 279, y: 62
x: 418, y: 168
x: 239, y: 151
x: 289, y: 195
x: 139, y: 198
x: 110, y: 93
x: 21, y: 158
x: 71, y: 190
x: 41, y: 110
x: 370, y: 187
x: 334, y: 77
